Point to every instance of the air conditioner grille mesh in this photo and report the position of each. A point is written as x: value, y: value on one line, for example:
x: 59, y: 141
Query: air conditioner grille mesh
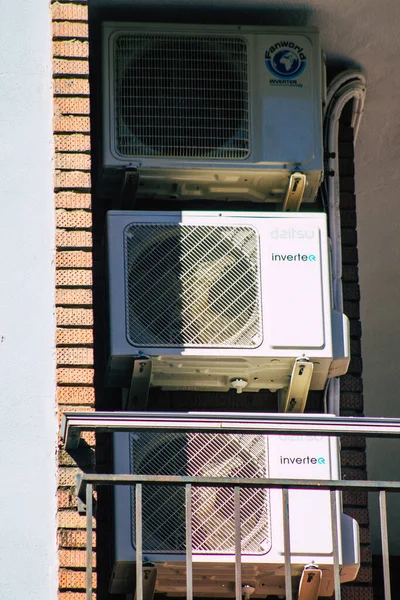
x: 181, y: 96
x: 192, y: 285
x: 213, y: 523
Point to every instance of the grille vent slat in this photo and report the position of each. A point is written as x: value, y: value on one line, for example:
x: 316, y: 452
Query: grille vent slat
x: 181, y: 96
x: 208, y: 455
x: 192, y: 285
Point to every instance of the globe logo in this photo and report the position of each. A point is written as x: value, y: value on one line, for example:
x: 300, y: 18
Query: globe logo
x: 285, y: 63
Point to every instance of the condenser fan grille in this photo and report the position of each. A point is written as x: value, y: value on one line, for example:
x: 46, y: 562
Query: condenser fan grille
x: 213, y: 523
x: 192, y: 285
x: 181, y: 96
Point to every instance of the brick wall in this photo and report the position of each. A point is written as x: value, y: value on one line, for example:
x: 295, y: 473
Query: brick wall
x: 75, y: 372
x: 353, y: 456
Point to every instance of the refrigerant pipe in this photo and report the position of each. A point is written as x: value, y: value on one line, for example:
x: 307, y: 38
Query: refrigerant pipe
x: 349, y: 85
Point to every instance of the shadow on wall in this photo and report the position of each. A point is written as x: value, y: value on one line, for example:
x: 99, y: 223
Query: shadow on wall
x: 192, y: 11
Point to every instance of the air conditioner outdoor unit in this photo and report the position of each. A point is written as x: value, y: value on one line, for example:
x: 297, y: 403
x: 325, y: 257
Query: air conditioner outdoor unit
x: 216, y: 298
x: 213, y: 524
x: 213, y: 112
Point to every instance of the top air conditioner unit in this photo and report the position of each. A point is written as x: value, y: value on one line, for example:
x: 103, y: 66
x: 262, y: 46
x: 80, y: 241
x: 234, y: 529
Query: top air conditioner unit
x: 214, y: 298
x: 213, y: 112
x: 201, y: 454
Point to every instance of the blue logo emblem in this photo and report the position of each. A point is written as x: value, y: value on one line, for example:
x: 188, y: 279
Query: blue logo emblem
x: 285, y: 60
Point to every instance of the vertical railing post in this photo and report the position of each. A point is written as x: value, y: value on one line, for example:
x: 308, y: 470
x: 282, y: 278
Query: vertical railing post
x: 385, y: 544
x: 335, y: 545
x: 139, y: 542
x: 286, y: 544
x: 189, y: 562
x: 89, y: 541
x: 238, y: 545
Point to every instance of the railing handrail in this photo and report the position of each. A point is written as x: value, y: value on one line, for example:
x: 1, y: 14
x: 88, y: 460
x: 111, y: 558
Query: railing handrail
x: 242, y: 482
x: 73, y: 423
x: 88, y: 482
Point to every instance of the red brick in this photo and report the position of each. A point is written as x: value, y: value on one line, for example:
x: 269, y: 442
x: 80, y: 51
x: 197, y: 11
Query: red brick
x: 66, y: 499
x: 357, y: 593
x: 64, y: 66
x: 68, y: 538
x: 75, y: 356
x: 80, y: 162
x: 74, y: 579
x: 72, y: 179
x: 354, y: 474
x: 67, y: 476
x: 70, y: 519
x: 78, y: 259
x: 350, y: 383
x: 73, y: 219
x: 365, y: 535
x: 71, y: 49
x: 74, y: 559
x: 351, y: 401
x: 75, y: 142
x: 78, y: 376
x: 364, y: 575
x: 358, y: 498
x: 73, y: 239
x: 74, y: 337
x: 352, y: 441
x: 69, y: 12
x: 74, y: 297
x: 359, y: 514
x: 353, y: 458
x: 76, y: 317
x: 75, y: 395
x: 87, y: 460
x: 72, y: 199
x: 71, y: 87
x: 71, y: 595
x: 71, y: 124
x: 365, y: 554
x: 70, y: 30
x: 73, y: 277
x: 71, y: 106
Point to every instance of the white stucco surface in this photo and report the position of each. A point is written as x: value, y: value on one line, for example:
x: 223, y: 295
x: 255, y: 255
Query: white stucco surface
x: 28, y: 426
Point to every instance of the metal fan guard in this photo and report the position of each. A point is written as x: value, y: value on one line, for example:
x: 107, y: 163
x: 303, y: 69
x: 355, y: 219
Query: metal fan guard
x: 213, y: 524
x: 192, y: 285
x: 181, y: 95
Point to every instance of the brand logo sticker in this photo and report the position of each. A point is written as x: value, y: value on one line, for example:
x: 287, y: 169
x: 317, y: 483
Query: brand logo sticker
x: 285, y: 60
x: 299, y: 257
x: 302, y: 460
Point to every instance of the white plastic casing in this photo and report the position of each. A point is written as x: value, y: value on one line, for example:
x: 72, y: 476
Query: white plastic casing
x: 290, y: 457
x: 285, y: 121
x: 296, y: 310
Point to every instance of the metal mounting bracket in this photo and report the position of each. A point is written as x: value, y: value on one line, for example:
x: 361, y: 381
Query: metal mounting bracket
x: 295, y: 192
x: 140, y: 383
x: 294, y: 397
x: 310, y: 582
x: 80, y: 498
x: 149, y: 581
x: 129, y: 188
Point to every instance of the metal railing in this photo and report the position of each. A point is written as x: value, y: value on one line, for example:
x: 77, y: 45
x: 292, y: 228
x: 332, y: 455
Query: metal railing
x: 239, y: 423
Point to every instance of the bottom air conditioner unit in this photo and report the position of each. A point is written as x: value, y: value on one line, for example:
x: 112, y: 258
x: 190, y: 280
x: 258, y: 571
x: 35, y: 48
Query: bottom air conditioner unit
x: 217, y: 298
x: 213, y: 524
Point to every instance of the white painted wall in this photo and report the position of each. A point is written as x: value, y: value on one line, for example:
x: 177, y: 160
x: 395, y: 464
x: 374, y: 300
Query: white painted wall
x: 28, y: 426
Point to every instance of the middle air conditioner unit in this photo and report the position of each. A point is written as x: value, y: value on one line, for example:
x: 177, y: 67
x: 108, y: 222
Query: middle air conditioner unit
x: 213, y: 515
x: 222, y: 300
x: 215, y: 112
